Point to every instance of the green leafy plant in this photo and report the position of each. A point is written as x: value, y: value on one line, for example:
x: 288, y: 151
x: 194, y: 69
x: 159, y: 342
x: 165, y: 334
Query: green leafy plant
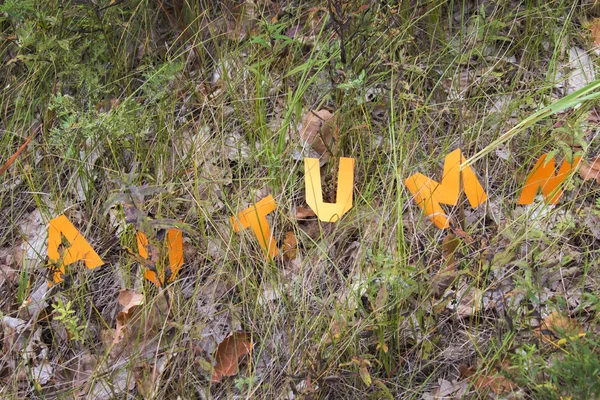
x: 66, y: 315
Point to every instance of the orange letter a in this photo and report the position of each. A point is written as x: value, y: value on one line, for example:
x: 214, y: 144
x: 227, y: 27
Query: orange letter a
x: 429, y: 194
x: 79, y: 248
x: 543, y: 177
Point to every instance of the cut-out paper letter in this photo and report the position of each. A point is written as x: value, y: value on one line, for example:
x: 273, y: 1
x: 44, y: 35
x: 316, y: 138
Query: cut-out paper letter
x: 77, y: 249
x: 429, y: 194
x: 174, y: 248
x: 329, y: 212
x: 542, y: 177
x: 255, y: 217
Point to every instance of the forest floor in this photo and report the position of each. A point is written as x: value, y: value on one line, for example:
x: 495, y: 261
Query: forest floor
x: 149, y: 124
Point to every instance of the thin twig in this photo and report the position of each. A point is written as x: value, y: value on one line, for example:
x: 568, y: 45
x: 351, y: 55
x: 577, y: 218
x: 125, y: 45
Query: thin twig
x: 23, y: 146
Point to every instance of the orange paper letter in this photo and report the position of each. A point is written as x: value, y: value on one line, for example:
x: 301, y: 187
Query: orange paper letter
x: 429, y: 194
x: 329, y: 212
x: 543, y: 177
x: 255, y: 217
x: 79, y: 248
x: 175, y: 249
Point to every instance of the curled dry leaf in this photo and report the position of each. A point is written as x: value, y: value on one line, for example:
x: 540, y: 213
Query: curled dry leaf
x: 318, y: 128
x: 590, y: 170
x: 229, y: 353
x: 129, y: 299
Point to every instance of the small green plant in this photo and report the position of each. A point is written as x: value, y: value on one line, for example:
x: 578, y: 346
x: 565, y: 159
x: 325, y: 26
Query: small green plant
x: 577, y: 374
x: 65, y: 314
x: 242, y: 383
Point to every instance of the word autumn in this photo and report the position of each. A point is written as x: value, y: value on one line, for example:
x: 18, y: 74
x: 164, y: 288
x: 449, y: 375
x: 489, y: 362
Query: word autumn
x: 427, y: 193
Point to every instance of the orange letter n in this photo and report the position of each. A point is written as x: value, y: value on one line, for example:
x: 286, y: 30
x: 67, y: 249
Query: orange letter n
x: 429, y: 194
x: 543, y: 177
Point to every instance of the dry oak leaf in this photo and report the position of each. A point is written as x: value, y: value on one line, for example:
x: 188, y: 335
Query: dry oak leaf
x: 229, y: 353
x: 129, y: 299
x: 318, y: 128
x: 590, y: 170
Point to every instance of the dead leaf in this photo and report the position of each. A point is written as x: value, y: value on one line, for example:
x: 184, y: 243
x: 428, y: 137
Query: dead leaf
x: 290, y: 245
x: 8, y: 274
x: 463, y: 235
x: 148, y: 376
x: 448, y: 273
x: 590, y: 170
x: 561, y: 325
x: 318, y: 131
x: 468, y: 300
x: 82, y: 369
x: 448, y: 390
x: 579, y: 71
x: 35, y: 235
x: 304, y: 213
x: 35, y: 303
x: 493, y: 380
x: 43, y: 372
x: 229, y: 353
x: 363, y: 371
x: 128, y: 299
x: 382, y: 298
x: 595, y: 31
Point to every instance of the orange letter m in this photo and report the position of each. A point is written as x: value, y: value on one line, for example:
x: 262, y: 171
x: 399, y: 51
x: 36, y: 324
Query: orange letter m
x: 429, y: 194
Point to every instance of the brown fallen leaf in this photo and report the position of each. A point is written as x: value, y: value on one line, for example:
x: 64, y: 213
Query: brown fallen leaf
x: 590, y: 170
x: 448, y: 273
x: 290, y: 245
x: 594, y: 27
x: 229, y: 353
x: 493, y: 380
x: 560, y: 325
x: 318, y: 131
x: 463, y: 235
x: 304, y: 213
x: 129, y: 299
